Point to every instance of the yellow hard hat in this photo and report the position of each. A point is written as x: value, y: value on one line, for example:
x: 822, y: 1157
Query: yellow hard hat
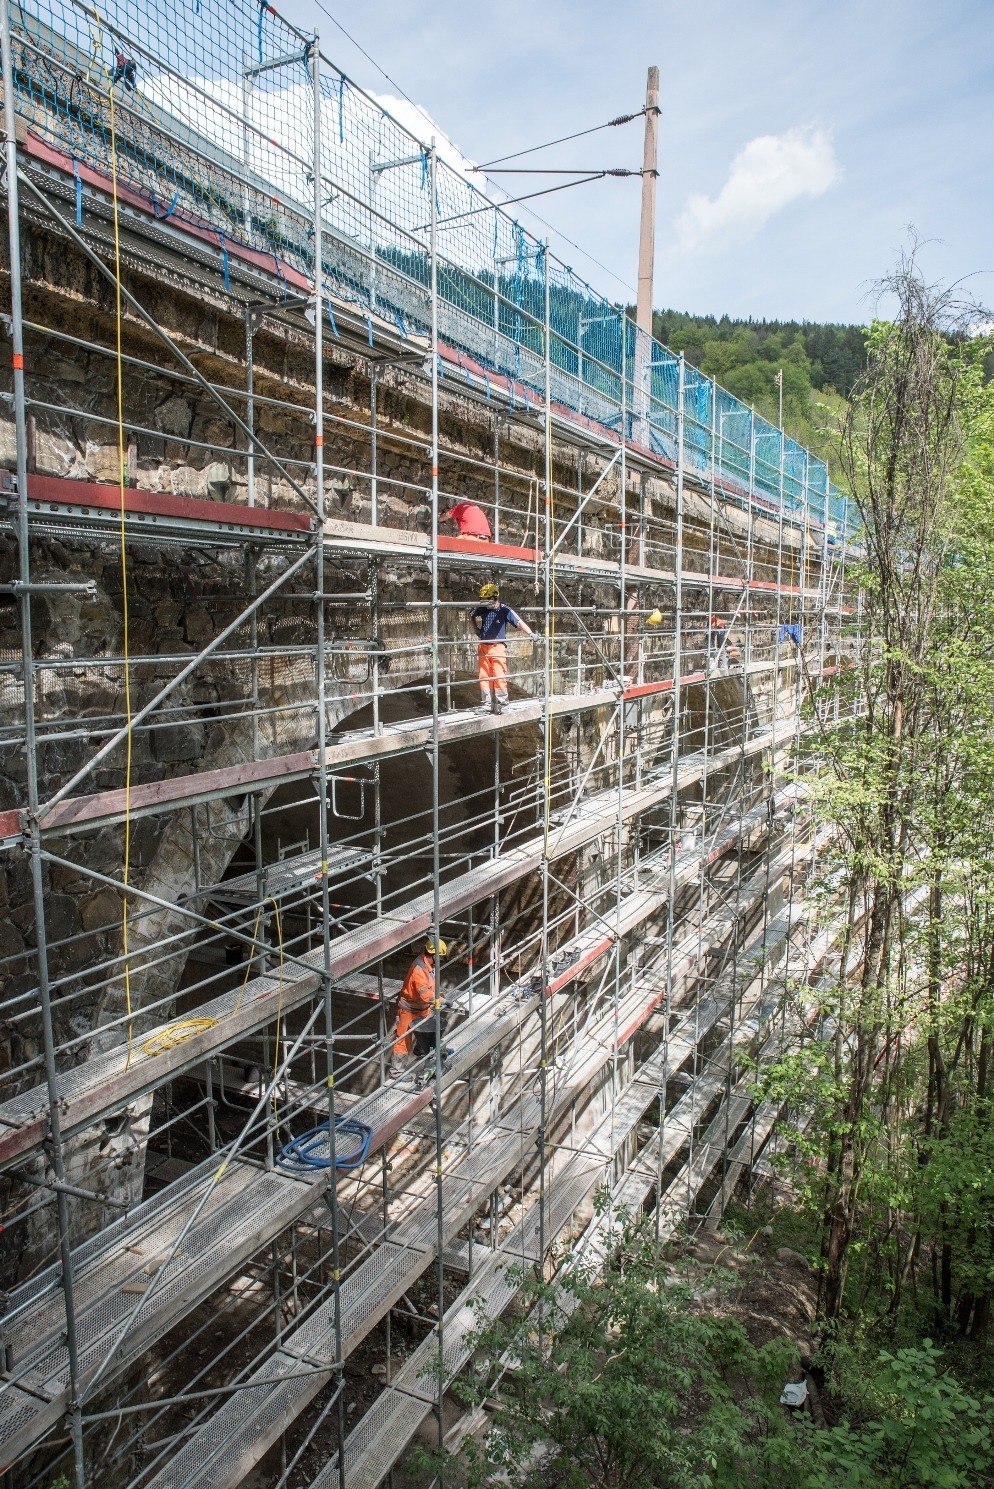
x: 489, y: 592
x: 443, y: 950
x: 655, y: 619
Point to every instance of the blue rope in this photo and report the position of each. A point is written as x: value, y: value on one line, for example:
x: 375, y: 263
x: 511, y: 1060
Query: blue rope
x: 263, y: 7
x: 169, y: 210
x: 331, y: 318
x: 224, y: 258
x: 311, y: 1149
x: 79, y: 193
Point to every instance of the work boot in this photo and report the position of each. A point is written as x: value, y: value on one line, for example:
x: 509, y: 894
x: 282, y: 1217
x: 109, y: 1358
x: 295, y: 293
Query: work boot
x: 484, y: 707
x: 499, y: 704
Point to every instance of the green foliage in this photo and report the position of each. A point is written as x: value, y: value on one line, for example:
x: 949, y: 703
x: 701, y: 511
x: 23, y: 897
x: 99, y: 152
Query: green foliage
x: 617, y: 1381
x: 915, y: 1428
x: 602, y: 1375
x: 954, y: 1192
x: 834, y: 355
x: 820, y: 366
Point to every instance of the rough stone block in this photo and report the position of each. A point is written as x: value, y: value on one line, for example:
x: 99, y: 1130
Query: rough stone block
x: 61, y: 917
x: 175, y: 743
x: 174, y: 416
x: 102, y: 462
x: 198, y: 626
x: 102, y: 908
x: 168, y: 613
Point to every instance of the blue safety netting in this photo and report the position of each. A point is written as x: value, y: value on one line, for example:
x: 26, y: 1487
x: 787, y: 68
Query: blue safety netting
x: 207, y: 109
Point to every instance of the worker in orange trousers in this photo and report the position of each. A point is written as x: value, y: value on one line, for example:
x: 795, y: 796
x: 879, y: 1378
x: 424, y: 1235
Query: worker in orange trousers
x: 415, y: 1006
x: 490, y: 622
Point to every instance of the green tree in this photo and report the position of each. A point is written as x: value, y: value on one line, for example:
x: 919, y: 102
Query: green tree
x: 602, y: 1375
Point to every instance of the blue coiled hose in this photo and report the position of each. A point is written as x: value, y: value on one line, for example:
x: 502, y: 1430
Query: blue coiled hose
x: 310, y: 1149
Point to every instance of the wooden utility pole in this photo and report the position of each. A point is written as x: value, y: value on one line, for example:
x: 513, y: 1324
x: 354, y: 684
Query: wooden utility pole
x: 647, y: 234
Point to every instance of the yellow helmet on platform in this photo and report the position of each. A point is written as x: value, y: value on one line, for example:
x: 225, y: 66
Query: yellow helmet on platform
x: 489, y: 592
x: 655, y: 618
x: 443, y: 950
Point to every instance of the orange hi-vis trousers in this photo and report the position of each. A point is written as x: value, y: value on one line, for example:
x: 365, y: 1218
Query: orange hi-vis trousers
x: 406, y: 1016
x: 491, y: 667
x: 414, y: 1004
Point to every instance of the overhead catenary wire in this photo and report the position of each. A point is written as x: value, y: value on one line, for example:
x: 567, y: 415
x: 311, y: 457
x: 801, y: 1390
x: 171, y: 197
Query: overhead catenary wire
x: 622, y: 119
x: 528, y: 197
x: 536, y: 170
x: 563, y: 139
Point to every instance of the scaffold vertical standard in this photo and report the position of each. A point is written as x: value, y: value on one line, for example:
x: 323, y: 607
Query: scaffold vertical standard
x: 263, y: 341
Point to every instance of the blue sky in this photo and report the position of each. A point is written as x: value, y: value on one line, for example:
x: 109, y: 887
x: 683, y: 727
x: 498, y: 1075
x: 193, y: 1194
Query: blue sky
x: 798, y: 141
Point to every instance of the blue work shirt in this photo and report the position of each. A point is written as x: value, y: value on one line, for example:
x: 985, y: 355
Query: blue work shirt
x: 496, y: 619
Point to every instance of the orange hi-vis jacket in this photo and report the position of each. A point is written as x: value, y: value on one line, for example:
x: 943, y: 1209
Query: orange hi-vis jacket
x: 418, y: 991
x: 415, y: 1001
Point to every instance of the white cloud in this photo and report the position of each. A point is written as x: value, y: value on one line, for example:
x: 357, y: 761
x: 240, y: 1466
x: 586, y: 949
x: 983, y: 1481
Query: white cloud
x: 417, y: 121
x: 768, y: 174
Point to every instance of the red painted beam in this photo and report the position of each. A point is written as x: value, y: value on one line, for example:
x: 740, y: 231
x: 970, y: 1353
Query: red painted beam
x: 646, y: 689
x: 166, y: 793
x: 58, y: 489
x: 176, y: 790
x: 490, y: 550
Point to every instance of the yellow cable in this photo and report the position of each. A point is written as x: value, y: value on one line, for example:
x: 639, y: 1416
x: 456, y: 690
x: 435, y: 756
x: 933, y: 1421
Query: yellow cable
x: 122, y: 473
x: 175, y: 1034
x: 551, y: 638
x: 248, y: 964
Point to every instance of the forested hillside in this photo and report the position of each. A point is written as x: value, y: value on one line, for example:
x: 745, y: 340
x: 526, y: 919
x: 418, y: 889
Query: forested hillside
x: 820, y: 365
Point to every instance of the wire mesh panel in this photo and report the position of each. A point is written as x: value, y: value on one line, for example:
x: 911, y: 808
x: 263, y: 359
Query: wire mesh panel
x: 205, y: 112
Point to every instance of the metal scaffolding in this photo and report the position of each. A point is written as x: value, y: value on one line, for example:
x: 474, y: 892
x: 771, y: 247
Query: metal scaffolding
x: 219, y: 1202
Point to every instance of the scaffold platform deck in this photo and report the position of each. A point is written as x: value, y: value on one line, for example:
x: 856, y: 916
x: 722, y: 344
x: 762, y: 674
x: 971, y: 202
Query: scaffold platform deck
x: 245, y: 1205
x: 109, y: 1081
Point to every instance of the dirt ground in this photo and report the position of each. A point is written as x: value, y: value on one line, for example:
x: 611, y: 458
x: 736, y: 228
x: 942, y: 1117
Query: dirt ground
x: 774, y: 1292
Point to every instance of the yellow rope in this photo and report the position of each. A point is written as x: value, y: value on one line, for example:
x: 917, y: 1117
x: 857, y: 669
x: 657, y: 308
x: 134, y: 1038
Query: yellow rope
x: 175, y: 1034
x: 122, y: 474
x: 182, y: 1029
x: 248, y: 964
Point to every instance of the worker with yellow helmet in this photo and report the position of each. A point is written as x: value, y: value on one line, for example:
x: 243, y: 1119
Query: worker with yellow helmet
x: 415, y: 1031
x: 490, y: 622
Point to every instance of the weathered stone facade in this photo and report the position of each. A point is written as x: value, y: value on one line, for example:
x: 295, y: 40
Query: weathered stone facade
x: 179, y: 598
